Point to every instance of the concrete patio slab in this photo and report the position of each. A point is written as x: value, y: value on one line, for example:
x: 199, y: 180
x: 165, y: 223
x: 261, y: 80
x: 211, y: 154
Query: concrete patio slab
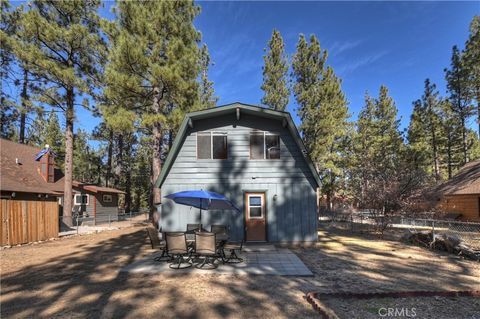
x: 258, y: 260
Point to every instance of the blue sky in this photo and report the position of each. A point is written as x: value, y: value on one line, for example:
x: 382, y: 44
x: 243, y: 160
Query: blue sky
x: 398, y: 44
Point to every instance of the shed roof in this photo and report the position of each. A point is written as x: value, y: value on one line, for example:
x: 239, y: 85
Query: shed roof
x: 285, y: 117
x: 465, y: 181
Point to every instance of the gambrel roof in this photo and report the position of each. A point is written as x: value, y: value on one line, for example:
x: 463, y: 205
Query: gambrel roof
x: 234, y: 109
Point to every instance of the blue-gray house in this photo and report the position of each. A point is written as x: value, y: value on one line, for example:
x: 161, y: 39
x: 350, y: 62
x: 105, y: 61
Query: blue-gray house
x: 255, y: 157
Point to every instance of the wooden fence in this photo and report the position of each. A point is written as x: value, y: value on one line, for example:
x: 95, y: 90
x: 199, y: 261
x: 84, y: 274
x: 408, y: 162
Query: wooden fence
x: 25, y: 221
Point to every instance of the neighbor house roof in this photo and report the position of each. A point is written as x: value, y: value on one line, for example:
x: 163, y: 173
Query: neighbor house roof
x: 100, y: 189
x: 465, y: 181
x: 19, y: 170
x: 285, y: 117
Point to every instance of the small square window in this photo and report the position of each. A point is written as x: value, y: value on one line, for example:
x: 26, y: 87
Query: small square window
x: 81, y: 199
x: 107, y: 198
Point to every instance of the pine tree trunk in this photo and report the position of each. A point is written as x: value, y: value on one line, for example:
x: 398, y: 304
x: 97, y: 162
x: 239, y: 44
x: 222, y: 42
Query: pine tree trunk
x: 109, y: 158
x: 464, y: 142
x: 128, y: 191
x: 119, y: 161
x: 157, y: 149
x: 449, y: 155
x: 435, y: 154
x: 68, y: 194
x: 478, y: 113
x: 23, y: 114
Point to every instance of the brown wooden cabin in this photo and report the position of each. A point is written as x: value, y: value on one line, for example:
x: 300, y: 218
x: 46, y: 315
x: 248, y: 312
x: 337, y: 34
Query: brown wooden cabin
x: 31, y: 189
x: 461, y: 194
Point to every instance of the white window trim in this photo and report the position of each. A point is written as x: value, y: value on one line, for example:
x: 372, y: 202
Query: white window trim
x: 262, y: 205
x: 79, y: 195
x: 265, y: 144
x: 212, y: 134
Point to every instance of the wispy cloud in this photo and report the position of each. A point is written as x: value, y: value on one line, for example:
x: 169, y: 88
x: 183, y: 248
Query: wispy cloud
x: 341, y: 46
x: 352, y: 66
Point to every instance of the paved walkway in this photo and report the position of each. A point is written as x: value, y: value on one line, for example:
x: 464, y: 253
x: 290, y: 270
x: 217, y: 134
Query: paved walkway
x: 258, y: 260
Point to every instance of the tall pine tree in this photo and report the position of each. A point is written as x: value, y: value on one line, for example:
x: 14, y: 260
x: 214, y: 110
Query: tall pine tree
x: 275, y: 70
x: 323, y: 109
x: 425, y: 131
x: 461, y: 100
x: 63, y: 48
x: 153, y: 68
x: 471, y: 60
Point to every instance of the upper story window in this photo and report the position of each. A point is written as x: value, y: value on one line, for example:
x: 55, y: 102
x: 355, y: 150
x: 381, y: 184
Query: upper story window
x: 212, y: 145
x: 264, y: 145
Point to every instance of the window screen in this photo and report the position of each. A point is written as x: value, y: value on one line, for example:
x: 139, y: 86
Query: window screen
x: 204, y: 146
x: 257, y: 150
x: 219, y: 148
x: 272, y: 146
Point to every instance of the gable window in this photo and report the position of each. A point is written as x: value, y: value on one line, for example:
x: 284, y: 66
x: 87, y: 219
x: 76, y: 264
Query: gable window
x: 264, y: 145
x: 212, y: 145
x: 81, y: 199
x: 107, y: 198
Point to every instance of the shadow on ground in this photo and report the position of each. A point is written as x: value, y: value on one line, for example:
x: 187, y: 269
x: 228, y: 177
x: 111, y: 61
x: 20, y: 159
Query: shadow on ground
x: 82, y: 279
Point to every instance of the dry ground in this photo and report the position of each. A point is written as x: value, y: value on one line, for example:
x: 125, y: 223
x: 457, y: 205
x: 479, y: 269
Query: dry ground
x: 78, y: 277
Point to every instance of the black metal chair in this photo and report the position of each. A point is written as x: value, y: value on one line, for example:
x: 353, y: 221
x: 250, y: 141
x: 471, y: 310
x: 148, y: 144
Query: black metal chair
x: 158, y: 242
x: 232, y: 247
x: 219, y: 229
x: 206, y: 247
x: 177, y: 248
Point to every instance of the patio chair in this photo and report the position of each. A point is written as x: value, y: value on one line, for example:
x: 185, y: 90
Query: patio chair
x: 191, y: 228
x: 219, y: 229
x: 206, y: 247
x: 232, y: 257
x: 158, y: 242
x: 177, y: 248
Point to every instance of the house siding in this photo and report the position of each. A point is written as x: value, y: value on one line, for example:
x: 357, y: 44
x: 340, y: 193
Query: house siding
x: 106, y: 211
x: 85, y: 210
x: 291, y: 214
x: 467, y: 205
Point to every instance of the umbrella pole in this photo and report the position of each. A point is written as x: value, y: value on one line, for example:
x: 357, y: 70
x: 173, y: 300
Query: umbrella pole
x: 200, y: 230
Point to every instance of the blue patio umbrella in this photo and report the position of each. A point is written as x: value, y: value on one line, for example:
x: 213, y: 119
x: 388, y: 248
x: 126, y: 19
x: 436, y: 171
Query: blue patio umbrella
x: 204, y: 200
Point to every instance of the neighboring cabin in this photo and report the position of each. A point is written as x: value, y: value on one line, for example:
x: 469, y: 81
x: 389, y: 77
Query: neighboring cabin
x: 31, y: 188
x: 255, y: 157
x: 461, y: 194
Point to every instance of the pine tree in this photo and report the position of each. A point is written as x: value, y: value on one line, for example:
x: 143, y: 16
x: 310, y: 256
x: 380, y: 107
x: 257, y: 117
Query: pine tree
x: 378, y: 177
x: 47, y: 131
x: 61, y: 43
x: 471, y: 60
x: 424, y: 133
x: 275, y: 74
x: 308, y: 66
x: 9, y: 111
x: 323, y: 109
x: 452, y: 130
x: 151, y: 77
x: 207, y: 98
x: 460, y: 97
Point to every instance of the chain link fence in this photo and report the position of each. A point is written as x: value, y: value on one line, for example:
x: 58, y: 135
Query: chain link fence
x: 85, y: 223
x: 468, y: 232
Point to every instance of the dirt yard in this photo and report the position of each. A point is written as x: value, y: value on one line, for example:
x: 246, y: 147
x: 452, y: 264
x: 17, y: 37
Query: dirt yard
x: 78, y: 277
